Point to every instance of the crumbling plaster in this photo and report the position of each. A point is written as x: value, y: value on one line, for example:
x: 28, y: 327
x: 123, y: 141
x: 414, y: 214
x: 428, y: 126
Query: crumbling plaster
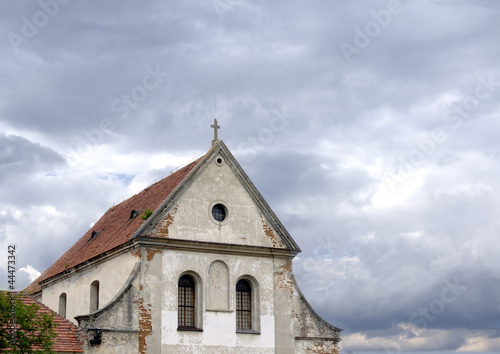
x: 119, y: 321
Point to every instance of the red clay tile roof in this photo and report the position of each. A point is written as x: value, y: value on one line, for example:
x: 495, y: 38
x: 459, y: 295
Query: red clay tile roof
x: 66, y: 339
x: 115, y: 227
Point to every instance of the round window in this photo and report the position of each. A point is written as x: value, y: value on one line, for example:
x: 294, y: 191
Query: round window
x: 219, y: 212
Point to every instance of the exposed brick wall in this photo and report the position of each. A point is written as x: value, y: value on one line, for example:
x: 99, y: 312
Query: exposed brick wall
x: 151, y: 253
x: 145, y: 327
x: 161, y: 230
x: 271, y: 234
x: 136, y: 253
x: 283, y: 277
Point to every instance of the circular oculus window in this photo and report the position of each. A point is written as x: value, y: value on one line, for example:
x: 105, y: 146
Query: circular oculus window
x: 219, y: 161
x: 219, y: 212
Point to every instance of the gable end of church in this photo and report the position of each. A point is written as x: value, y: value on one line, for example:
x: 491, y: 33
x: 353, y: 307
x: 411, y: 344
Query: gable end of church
x: 210, y: 269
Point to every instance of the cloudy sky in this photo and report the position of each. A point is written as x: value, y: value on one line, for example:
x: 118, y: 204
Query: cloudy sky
x: 371, y: 128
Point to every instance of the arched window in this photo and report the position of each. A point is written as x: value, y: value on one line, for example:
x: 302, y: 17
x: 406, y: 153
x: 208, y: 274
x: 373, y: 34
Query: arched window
x: 186, y: 310
x: 243, y: 305
x: 62, y: 305
x: 94, y: 296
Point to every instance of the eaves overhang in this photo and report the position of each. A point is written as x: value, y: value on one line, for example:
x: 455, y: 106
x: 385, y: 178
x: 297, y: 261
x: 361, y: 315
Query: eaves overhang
x: 101, y: 258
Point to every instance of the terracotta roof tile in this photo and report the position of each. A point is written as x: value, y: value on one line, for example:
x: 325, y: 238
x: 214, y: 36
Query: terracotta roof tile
x: 115, y: 227
x: 66, y: 339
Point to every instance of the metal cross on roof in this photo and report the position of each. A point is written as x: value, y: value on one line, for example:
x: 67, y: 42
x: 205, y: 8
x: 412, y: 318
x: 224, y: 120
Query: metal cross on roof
x: 215, y: 126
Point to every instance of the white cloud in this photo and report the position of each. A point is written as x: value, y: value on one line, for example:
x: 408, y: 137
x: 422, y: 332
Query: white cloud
x: 480, y: 343
x: 32, y: 272
x: 408, y: 337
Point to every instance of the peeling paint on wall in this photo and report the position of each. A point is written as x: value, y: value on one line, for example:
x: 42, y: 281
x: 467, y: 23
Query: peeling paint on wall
x: 283, y: 277
x: 161, y: 230
x: 151, y: 253
x: 271, y: 234
x: 145, y: 327
x: 136, y: 253
x: 300, y: 326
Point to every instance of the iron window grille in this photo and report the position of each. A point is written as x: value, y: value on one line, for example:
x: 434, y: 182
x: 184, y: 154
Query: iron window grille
x: 243, y: 305
x: 186, y: 318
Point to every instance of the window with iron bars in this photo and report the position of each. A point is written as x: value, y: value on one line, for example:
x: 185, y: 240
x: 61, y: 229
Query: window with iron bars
x: 186, y: 298
x: 243, y: 305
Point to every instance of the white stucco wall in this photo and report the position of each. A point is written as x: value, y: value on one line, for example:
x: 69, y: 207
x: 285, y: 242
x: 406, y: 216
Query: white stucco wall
x: 219, y: 327
x: 111, y: 275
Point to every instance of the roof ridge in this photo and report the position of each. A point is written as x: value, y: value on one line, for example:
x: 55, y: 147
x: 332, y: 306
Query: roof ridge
x: 158, y: 179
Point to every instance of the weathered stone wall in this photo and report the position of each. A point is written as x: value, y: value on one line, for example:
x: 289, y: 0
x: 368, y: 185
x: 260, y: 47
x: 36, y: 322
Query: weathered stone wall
x: 112, y: 342
x: 308, y: 323
x: 312, y: 333
x: 283, y: 297
x: 119, y: 321
x: 316, y: 347
x: 111, y: 275
x: 150, y: 301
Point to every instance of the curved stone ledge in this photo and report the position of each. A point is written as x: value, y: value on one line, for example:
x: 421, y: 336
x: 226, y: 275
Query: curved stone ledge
x: 114, y: 301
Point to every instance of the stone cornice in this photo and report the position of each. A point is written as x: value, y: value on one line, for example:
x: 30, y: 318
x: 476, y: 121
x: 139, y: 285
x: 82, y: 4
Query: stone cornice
x: 214, y: 247
x: 174, y: 244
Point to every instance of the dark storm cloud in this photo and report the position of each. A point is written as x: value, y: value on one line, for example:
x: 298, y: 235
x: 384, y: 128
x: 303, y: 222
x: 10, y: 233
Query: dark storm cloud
x: 20, y: 157
x: 343, y: 146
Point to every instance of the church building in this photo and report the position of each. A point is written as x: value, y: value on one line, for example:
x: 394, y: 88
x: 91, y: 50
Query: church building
x: 195, y: 263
